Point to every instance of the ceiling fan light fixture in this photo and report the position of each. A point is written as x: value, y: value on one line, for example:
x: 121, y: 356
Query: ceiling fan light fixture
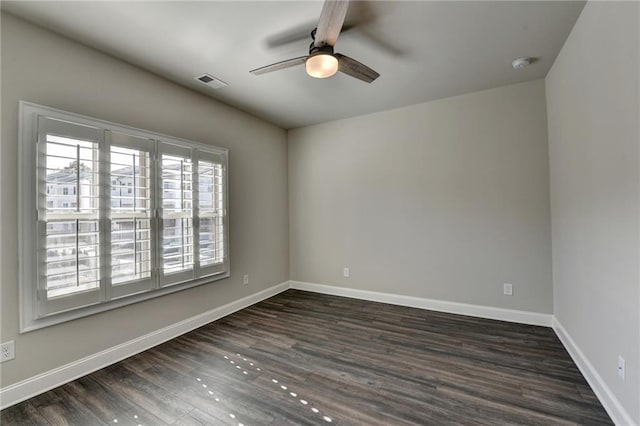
x: 321, y: 65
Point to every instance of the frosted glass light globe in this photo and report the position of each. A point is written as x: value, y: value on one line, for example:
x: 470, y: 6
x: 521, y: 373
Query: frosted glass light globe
x: 322, y: 65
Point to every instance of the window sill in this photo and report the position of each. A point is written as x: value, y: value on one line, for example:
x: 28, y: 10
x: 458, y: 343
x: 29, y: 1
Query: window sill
x: 69, y: 315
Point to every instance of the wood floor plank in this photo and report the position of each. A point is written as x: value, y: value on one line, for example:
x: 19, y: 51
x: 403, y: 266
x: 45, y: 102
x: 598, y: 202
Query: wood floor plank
x: 200, y: 418
x: 137, y: 417
x: 22, y: 414
x: 154, y: 399
x: 308, y: 359
x: 97, y: 398
x: 59, y: 407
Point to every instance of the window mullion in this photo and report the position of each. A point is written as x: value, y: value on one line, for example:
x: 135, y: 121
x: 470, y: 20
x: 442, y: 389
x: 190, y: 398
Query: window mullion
x: 105, y: 215
x: 77, y: 252
x: 133, y: 173
x: 195, y: 209
x: 154, y: 174
x: 135, y: 247
x: 182, y: 209
x: 78, y: 178
x: 77, y: 220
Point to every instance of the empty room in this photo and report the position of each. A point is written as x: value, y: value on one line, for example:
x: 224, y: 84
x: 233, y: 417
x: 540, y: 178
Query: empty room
x: 320, y: 212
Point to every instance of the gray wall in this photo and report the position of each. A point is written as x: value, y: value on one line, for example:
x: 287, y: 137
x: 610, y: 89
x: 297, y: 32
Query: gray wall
x: 42, y: 67
x: 445, y: 200
x: 593, y: 108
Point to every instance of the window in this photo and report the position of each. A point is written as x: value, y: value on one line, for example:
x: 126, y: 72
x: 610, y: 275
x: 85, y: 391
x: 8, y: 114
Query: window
x: 121, y: 215
x: 177, y: 211
x: 210, y: 213
x: 131, y: 236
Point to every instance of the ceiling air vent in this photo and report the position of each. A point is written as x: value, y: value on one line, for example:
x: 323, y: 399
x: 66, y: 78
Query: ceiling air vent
x: 211, y: 81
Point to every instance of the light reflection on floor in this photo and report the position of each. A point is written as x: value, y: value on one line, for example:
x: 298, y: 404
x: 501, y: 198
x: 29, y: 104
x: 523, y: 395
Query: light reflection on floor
x: 275, y: 381
x: 135, y: 416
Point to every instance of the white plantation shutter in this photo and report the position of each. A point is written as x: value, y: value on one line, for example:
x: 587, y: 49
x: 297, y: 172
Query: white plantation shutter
x: 131, y: 238
x: 211, y: 213
x: 68, y: 237
x: 176, y: 213
x: 119, y: 215
x: 192, y: 213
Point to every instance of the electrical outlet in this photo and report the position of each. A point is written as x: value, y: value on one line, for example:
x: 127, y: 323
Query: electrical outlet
x: 8, y: 351
x: 621, y: 367
x: 346, y: 272
x: 245, y: 280
x: 507, y: 289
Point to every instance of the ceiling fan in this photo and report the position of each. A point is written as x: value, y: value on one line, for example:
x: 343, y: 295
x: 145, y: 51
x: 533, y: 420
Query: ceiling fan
x: 321, y: 61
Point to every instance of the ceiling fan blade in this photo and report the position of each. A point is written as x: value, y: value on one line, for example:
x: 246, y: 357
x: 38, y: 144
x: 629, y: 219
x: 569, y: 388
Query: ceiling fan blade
x: 365, y: 14
x: 300, y: 32
x: 290, y: 35
x: 330, y: 22
x: 279, y: 65
x: 355, y: 69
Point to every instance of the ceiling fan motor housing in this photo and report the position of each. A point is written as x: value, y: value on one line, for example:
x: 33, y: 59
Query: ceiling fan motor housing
x: 315, y: 50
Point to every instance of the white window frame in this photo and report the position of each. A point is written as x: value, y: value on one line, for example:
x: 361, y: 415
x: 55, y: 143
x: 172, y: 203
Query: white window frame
x: 32, y: 316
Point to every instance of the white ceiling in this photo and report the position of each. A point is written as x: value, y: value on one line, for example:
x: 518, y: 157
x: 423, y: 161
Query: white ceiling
x: 423, y: 50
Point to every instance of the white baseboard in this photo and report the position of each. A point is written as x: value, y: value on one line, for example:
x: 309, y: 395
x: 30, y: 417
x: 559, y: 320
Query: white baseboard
x: 523, y: 317
x: 608, y: 400
x: 610, y: 403
x: 51, y: 379
x: 36, y: 385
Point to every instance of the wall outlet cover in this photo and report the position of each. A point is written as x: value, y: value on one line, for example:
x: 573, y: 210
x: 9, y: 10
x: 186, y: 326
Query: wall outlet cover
x: 508, y: 289
x: 8, y: 351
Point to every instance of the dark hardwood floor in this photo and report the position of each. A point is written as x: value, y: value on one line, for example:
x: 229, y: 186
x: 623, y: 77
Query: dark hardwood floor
x: 306, y: 358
